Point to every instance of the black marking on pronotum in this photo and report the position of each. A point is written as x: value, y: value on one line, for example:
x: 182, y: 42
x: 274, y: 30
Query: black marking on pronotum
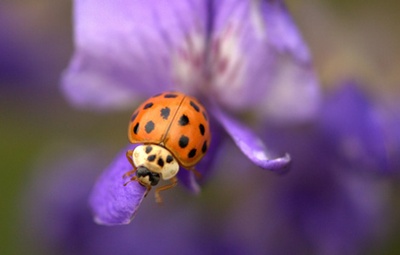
x: 160, y: 162
x: 192, y: 153
x: 165, y: 113
x: 183, y: 141
x: 195, y: 106
x: 204, y: 147
x: 148, y: 105
x: 149, y: 127
x: 202, y: 129
x: 170, y: 95
x: 183, y: 120
x: 134, y: 116
x: 136, y: 128
x: 151, y: 158
x: 149, y: 149
x: 169, y: 159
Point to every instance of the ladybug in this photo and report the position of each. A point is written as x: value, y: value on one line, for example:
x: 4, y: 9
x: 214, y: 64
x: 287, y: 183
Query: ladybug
x: 173, y: 130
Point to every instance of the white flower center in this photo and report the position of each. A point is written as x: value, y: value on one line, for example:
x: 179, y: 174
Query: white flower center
x: 215, y: 68
x: 226, y: 61
x: 188, y: 62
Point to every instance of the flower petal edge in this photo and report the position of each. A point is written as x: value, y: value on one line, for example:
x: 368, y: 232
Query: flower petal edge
x: 251, y: 145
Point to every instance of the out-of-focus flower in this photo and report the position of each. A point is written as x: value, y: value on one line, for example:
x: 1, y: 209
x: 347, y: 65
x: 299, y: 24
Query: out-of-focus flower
x: 355, y: 130
x: 235, y: 56
x: 390, y: 115
x: 334, y: 202
x: 30, y: 56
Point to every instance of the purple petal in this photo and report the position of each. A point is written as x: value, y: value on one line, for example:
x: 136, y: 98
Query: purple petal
x: 349, y: 206
x: 251, y: 145
x: 355, y: 128
x: 259, y: 58
x: 188, y: 179
x: 391, y: 122
x: 126, y: 49
x: 112, y: 202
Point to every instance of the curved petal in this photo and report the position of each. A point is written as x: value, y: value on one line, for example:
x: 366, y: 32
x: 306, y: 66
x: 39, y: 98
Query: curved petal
x: 258, y: 57
x: 251, y: 145
x: 113, y: 203
x: 130, y: 48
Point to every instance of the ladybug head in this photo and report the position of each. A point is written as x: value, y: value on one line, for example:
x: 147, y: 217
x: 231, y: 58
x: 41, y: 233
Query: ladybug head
x: 154, y: 161
x: 145, y: 176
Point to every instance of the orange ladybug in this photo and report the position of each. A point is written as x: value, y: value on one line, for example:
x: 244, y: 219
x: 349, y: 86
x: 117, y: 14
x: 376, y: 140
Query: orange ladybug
x: 173, y: 131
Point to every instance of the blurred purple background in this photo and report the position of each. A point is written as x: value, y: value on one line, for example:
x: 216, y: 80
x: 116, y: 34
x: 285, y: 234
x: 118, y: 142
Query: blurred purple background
x: 47, y: 145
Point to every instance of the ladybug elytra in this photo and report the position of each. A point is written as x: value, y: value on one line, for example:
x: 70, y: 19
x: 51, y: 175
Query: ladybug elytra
x: 173, y: 130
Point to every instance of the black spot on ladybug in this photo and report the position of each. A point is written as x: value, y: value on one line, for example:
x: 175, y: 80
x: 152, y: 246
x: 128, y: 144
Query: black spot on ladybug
x: 151, y: 158
x: 149, y: 127
x: 195, y: 106
x: 134, y: 116
x: 192, y: 153
x: 165, y: 113
x: 202, y: 129
x: 204, y: 147
x: 136, y: 128
x: 183, y: 120
x: 183, y: 141
x: 148, y: 105
x: 160, y: 162
x: 169, y: 159
x: 149, y: 149
x: 170, y: 95
x: 205, y: 115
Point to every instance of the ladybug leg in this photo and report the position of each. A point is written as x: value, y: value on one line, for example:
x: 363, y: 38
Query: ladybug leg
x: 133, y: 179
x: 196, y: 173
x: 173, y: 183
x: 129, y: 154
x: 148, y: 188
x: 129, y: 173
x: 132, y: 172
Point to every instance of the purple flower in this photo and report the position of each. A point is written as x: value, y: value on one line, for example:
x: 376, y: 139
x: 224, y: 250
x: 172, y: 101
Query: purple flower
x: 235, y: 56
x: 355, y: 129
x: 390, y: 116
x: 334, y: 202
x: 325, y: 206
